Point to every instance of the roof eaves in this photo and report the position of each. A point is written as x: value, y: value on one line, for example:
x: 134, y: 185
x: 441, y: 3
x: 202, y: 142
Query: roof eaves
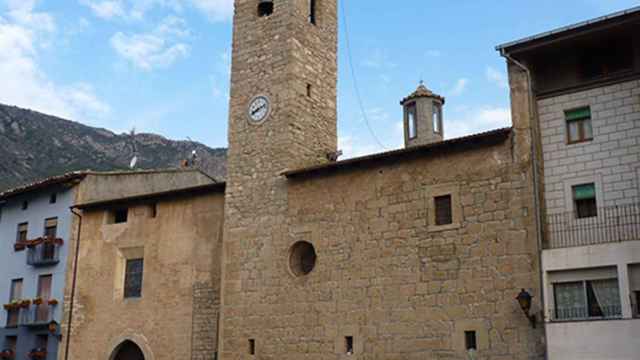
x: 568, y: 28
x: 44, y: 183
x: 489, y: 137
x: 190, y: 191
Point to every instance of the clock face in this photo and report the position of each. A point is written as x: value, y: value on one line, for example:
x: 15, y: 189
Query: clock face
x: 259, y: 109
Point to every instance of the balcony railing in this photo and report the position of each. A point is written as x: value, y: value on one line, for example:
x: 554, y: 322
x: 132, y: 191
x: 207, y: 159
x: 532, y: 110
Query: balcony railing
x: 38, y: 315
x: 611, y: 224
x: 583, y: 313
x: 44, y: 253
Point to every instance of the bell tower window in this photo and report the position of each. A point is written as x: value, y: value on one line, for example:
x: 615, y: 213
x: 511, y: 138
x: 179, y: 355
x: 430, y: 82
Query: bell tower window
x: 412, y: 126
x: 312, y: 12
x: 437, y: 118
x: 265, y: 8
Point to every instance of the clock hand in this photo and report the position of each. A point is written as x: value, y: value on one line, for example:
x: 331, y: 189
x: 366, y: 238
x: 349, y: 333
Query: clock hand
x: 258, y: 109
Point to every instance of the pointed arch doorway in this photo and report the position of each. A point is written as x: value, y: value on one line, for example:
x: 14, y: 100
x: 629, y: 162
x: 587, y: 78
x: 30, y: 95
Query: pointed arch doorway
x: 128, y: 350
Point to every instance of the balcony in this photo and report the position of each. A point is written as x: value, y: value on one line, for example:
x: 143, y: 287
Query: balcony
x: 44, y: 252
x: 38, y: 315
x: 585, y: 314
x: 611, y: 224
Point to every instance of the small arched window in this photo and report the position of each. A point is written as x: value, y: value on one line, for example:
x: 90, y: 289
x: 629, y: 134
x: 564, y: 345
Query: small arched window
x: 265, y: 8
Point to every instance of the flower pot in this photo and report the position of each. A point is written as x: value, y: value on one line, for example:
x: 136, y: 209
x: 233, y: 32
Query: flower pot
x: 7, y: 354
x: 53, y: 302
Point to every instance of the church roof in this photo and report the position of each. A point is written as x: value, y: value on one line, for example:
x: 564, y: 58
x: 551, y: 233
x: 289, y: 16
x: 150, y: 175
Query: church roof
x: 467, y: 142
x: 422, y: 91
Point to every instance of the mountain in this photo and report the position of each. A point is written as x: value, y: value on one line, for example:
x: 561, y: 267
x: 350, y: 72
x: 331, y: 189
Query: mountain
x: 35, y: 146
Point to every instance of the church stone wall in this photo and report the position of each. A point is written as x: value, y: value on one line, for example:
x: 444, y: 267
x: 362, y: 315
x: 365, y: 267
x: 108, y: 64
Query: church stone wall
x: 402, y: 288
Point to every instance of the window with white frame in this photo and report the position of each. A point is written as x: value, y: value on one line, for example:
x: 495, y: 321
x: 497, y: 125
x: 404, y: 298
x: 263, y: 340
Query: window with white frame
x: 586, y: 294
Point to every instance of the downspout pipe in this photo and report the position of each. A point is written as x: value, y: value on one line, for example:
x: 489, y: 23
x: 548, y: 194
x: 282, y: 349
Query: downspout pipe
x: 536, y: 178
x: 73, y: 281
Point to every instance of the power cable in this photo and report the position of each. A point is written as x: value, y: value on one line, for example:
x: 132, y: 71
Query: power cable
x: 355, y: 80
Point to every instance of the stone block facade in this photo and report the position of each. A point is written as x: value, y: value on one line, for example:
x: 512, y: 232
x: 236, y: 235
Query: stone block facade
x: 402, y: 288
x: 611, y: 160
x: 179, y: 238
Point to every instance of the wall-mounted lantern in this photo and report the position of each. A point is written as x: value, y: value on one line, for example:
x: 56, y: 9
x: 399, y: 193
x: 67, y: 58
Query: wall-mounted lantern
x: 524, y: 299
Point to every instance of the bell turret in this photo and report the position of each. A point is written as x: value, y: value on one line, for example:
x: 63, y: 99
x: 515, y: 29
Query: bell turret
x: 422, y: 117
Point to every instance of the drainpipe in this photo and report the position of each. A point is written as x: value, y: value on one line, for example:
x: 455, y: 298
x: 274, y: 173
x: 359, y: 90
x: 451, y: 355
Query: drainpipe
x: 73, y: 282
x: 536, y: 184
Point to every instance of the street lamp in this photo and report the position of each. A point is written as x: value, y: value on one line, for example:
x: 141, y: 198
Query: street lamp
x: 524, y: 299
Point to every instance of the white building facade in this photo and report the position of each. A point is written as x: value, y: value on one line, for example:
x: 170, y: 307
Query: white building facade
x: 585, y: 82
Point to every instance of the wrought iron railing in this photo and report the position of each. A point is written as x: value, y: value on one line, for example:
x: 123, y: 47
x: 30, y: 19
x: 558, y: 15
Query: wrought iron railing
x: 584, y: 313
x: 38, y: 315
x: 611, y: 224
x: 44, y: 254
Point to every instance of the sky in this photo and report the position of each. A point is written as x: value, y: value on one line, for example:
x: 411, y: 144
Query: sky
x: 162, y: 66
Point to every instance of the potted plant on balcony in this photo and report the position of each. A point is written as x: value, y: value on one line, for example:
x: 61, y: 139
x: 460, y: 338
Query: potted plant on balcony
x: 38, y: 353
x: 7, y: 354
x: 19, y: 246
x: 37, y: 301
x: 13, y: 305
x: 33, y: 243
x: 52, y: 302
x: 50, y: 240
x: 24, y: 304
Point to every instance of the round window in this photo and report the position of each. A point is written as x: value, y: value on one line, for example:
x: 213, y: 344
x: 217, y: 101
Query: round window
x: 302, y: 258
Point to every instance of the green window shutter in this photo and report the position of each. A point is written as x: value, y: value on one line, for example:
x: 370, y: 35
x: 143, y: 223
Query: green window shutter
x: 578, y: 114
x: 584, y: 192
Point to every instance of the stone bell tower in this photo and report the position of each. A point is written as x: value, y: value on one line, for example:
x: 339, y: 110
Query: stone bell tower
x: 282, y: 116
x: 422, y: 117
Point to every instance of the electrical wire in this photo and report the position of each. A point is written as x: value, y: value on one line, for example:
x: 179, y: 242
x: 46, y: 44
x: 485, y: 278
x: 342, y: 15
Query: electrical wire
x: 355, y: 80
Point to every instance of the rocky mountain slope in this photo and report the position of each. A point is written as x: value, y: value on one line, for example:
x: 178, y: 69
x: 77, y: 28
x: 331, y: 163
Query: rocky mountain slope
x: 35, y: 146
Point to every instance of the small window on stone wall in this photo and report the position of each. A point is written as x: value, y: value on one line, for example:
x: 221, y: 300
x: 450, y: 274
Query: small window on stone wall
x: 348, y: 341
x: 252, y: 346
x: 153, y: 210
x: 443, y: 212
x: 133, y: 278
x: 265, y: 8
x: 118, y: 216
x: 302, y: 258
x: 470, y: 340
x: 312, y: 12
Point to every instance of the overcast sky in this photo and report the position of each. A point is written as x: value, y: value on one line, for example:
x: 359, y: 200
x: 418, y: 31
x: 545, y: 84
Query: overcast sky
x: 163, y: 65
